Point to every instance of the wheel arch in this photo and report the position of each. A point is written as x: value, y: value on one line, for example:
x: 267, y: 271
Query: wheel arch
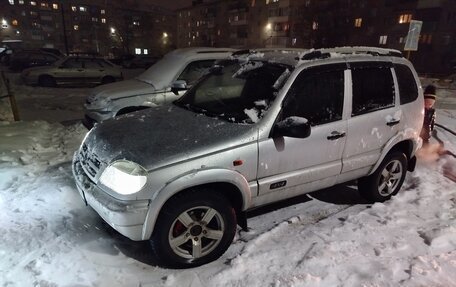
x: 229, y: 183
x: 408, y: 147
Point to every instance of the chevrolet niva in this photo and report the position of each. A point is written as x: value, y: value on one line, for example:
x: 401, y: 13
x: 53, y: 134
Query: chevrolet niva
x: 257, y: 129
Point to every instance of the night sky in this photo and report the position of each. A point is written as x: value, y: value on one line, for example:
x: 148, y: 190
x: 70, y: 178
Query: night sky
x: 172, y: 4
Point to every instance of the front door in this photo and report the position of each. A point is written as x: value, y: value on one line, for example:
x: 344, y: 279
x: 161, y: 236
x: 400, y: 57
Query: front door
x: 290, y: 166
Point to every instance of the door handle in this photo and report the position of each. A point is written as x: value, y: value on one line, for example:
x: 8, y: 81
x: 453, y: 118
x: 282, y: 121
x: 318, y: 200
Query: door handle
x: 335, y: 135
x: 393, y: 122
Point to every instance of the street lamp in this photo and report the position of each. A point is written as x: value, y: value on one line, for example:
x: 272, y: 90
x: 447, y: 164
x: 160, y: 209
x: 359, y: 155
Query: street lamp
x: 165, y: 35
x: 113, y: 31
x: 4, y: 24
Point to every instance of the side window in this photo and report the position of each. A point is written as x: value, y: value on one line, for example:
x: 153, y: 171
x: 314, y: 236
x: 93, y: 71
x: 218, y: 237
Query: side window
x: 91, y: 64
x: 373, y: 87
x: 72, y: 64
x: 408, y: 90
x: 195, y: 70
x: 317, y: 95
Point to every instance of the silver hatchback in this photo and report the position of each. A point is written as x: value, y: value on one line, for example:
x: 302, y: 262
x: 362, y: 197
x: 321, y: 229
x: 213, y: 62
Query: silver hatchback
x: 259, y: 128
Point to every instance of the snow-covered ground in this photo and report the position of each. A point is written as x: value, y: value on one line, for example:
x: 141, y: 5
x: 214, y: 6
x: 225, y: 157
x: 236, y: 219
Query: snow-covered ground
x: 328, y: 238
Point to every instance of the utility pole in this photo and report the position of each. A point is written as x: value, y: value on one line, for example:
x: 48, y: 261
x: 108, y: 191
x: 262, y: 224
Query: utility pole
x: 65, y: 38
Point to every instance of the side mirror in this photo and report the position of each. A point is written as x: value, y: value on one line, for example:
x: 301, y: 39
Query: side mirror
x: 294, y: 127
x: 179, y: 85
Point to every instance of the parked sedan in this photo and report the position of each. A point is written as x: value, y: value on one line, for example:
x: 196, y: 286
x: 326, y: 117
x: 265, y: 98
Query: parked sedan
x: 75, y: 70
x: 31, y: 58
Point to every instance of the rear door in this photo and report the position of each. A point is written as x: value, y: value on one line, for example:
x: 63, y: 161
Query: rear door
x: 290, y: 166
x: 375, y: 116
x: 70, y: 71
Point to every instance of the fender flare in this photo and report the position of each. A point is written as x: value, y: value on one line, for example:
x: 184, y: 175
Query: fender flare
x: 393, y: 142
x: 192, y: 179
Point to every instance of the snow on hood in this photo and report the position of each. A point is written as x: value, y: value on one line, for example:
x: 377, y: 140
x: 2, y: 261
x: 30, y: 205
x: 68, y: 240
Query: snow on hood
x: 163, y: 135
x: 121, y: 89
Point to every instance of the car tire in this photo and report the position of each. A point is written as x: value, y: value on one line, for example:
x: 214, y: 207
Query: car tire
x: 46, y: 81
x: 107, y: 80
x: 387, y: 180
x: 182, y: 238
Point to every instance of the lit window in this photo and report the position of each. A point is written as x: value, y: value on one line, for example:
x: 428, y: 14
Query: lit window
x: 136, y: 23
x: 358, y: 22
x: 103, y: 20
x: 73, y: 8
x: 218, y: 32
x: 82, y: 9
x: 33, y: 3
x: 55, y: 6
x: 405, y: 18
x: 11, y: 2
x: 94, y: 19
x: 44, y: 5
x: 383, y: 40
x: 4, y: 24
x: 138, y: 51
x: 253, y: 3
x: 145, y: 52
x: 14, y: 22
x: 21, y: 2
x: 76, y: 27
x: 315, y: 25
x: 401, y: 40
x: 103, y: 11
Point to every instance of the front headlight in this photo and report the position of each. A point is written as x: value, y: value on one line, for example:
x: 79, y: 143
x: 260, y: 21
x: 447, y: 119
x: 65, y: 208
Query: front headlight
x: 124, y: 177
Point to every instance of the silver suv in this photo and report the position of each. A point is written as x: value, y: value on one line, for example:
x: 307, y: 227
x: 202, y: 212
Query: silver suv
x: 153, y: 87
x: 259, y: 128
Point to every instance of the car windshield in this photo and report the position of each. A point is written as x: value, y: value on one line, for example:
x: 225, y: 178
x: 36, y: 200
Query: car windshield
x: 237, y: 92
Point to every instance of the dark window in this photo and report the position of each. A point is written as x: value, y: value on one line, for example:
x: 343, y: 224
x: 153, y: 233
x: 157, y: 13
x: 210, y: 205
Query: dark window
x: 373, y: 87
x: 195, y: 70
x: 72, y: 64
x: 408, y: 90
x: 317, y: 95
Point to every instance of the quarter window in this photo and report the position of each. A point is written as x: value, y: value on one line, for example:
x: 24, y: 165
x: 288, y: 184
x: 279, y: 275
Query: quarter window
x: 317, y: 95
x: 373, y: 87
x: 408, y: 90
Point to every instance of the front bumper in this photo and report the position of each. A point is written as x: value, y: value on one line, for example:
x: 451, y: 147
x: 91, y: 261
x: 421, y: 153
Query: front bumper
x: 127, y: 217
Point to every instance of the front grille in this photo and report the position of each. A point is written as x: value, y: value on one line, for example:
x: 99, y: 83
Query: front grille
x: 90, y: 163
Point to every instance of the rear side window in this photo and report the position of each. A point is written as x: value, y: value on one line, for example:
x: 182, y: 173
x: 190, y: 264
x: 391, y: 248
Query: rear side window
x: 408, y: 90
x: 373, y: 87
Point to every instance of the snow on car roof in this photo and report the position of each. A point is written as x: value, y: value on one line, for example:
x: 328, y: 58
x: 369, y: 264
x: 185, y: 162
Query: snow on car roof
x: 296, y: 57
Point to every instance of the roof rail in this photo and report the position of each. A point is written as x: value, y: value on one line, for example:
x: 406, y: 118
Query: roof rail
x: 374, y: 51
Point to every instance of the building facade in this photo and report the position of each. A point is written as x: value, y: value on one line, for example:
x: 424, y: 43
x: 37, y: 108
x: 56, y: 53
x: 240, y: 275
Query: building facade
x: 97, y: 26
x: 325, y: 23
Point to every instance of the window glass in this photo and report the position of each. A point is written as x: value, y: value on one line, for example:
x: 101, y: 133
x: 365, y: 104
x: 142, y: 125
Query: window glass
x: 373, y: 87
x: 50, y: 58
x: 236, y: 92
x: 91, y: 64
x: 317, y: 95
x: 195, y: 70
x: 103, y: 63
x: 408, y: 90
x: 72, y: 64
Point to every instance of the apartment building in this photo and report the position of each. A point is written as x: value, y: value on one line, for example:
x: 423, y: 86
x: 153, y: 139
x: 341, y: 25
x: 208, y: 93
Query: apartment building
x: 325, y: 23
x: 98, y: 26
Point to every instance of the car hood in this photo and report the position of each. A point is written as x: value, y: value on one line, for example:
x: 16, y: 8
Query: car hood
x: 165, y: 135
x: 121, y: 89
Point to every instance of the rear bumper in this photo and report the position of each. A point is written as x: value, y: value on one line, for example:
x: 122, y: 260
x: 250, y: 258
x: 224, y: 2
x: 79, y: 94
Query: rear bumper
x: 127, y: 217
